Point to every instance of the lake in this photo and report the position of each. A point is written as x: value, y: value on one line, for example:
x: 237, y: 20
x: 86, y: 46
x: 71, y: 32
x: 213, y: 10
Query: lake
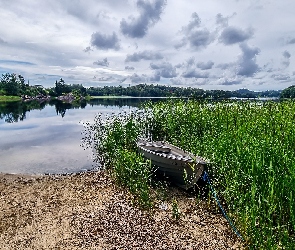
x: 46, y: 138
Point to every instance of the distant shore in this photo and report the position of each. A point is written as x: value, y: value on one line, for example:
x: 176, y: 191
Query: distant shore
x: 134, y: 97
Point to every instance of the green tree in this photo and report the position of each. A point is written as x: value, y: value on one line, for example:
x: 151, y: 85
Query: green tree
x: 61, y: 88
x: 288, y: 92
x: 10, y: 84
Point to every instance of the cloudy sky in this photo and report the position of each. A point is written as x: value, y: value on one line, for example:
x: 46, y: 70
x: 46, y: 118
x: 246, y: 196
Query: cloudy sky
x: 214, y: 44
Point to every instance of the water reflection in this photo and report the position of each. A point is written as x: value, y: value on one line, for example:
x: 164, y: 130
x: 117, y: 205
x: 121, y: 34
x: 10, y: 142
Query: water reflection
x: 120, y: 102
x: 45, y: 137
x: 62, y: 107
x: 16, y: 111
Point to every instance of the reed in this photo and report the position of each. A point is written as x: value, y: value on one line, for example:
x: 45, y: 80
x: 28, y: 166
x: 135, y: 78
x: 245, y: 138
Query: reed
x: 250, y: 147
x: 113, y: 139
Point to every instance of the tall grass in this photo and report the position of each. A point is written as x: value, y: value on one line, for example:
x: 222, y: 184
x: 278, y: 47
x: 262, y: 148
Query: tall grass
x: 250, y: 146
x: 114, y: 141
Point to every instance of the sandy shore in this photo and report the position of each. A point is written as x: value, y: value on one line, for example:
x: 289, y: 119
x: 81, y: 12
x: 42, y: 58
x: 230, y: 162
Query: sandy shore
x: 88, y: 211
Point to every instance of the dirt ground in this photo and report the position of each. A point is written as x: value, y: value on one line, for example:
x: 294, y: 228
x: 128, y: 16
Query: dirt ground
x: 88, y: 211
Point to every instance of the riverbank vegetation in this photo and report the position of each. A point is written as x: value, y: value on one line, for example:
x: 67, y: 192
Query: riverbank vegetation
x: 15, y: 85
x: 4, y: 98
x: 250, y: 147
x: 151, y: 90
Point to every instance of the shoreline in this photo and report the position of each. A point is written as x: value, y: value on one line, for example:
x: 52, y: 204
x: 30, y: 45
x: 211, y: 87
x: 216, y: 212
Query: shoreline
x: 89, y: 211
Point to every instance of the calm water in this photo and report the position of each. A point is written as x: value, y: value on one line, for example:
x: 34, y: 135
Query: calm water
x: 46, y: 138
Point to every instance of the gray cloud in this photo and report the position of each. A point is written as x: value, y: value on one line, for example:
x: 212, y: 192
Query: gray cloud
x: 200, y: 38
x: 232, y: 35
x: 87, y: 49
x: 80, y: 10
x: 224, y: 65
x: 286, y: 54
x: 181, y: 43
x: 164, y: 69
x: 286, y: 60
x: 220, y: 20
x: 14, y: 62
x: 156, y: 77
x: 105, y: 42
x: 103, y: 62
x: 104, y: 79
x: 190, y: 61
x: 280, y: 77
x: 135, y: 78
x: 177, y: 81
x: 149, y: 15
x: 230, y: 82
x: 194, y: 23
x: 204, y: 66
x: 2, y: 41
x: 103, y: 15
x: 195, y: 36
x: 143, y: 55
x: 129, y: 68
x: 123, y: 79
x: 247, y: 65
x: 291, y: 41
x: 192, y: 73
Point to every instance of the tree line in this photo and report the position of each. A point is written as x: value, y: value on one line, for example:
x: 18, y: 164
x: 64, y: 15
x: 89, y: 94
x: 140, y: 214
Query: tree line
x: 150, y: 90
x: 14, y: 85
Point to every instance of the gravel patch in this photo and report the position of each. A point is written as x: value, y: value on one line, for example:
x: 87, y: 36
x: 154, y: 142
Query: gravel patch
x: 88, y: 211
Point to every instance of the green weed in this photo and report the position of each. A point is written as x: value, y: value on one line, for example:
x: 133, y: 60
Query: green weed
x: 250, y: 147
x: 175, y: 210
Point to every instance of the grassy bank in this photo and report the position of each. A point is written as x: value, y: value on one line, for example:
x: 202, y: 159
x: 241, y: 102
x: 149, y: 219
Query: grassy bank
x: 4, y: 98
x: 250, y: 146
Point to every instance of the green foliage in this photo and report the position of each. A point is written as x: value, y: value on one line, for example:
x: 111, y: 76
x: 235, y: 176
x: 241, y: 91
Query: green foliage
x: 11, y: 84
x: 133, y: 171
x: 114, y: 139
x: 61, y: 88
x: 4, y: 98
x: 150, y: 90
x: 14, y: 85
x: 288, y: 92
x: 2, y: 92
x: 175, y: 210
x: 251, y: 148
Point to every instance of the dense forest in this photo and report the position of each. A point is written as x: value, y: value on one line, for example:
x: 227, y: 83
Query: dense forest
x: 15, y: 85
x: 150, y: 90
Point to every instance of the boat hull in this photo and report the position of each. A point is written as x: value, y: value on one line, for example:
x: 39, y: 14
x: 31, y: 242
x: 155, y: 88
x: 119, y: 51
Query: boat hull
x: 181, y: 167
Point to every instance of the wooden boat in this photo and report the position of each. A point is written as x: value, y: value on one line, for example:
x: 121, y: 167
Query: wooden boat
x: 182, y: 168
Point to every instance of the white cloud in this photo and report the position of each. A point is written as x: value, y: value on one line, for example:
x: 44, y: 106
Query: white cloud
x: 217, y: 42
